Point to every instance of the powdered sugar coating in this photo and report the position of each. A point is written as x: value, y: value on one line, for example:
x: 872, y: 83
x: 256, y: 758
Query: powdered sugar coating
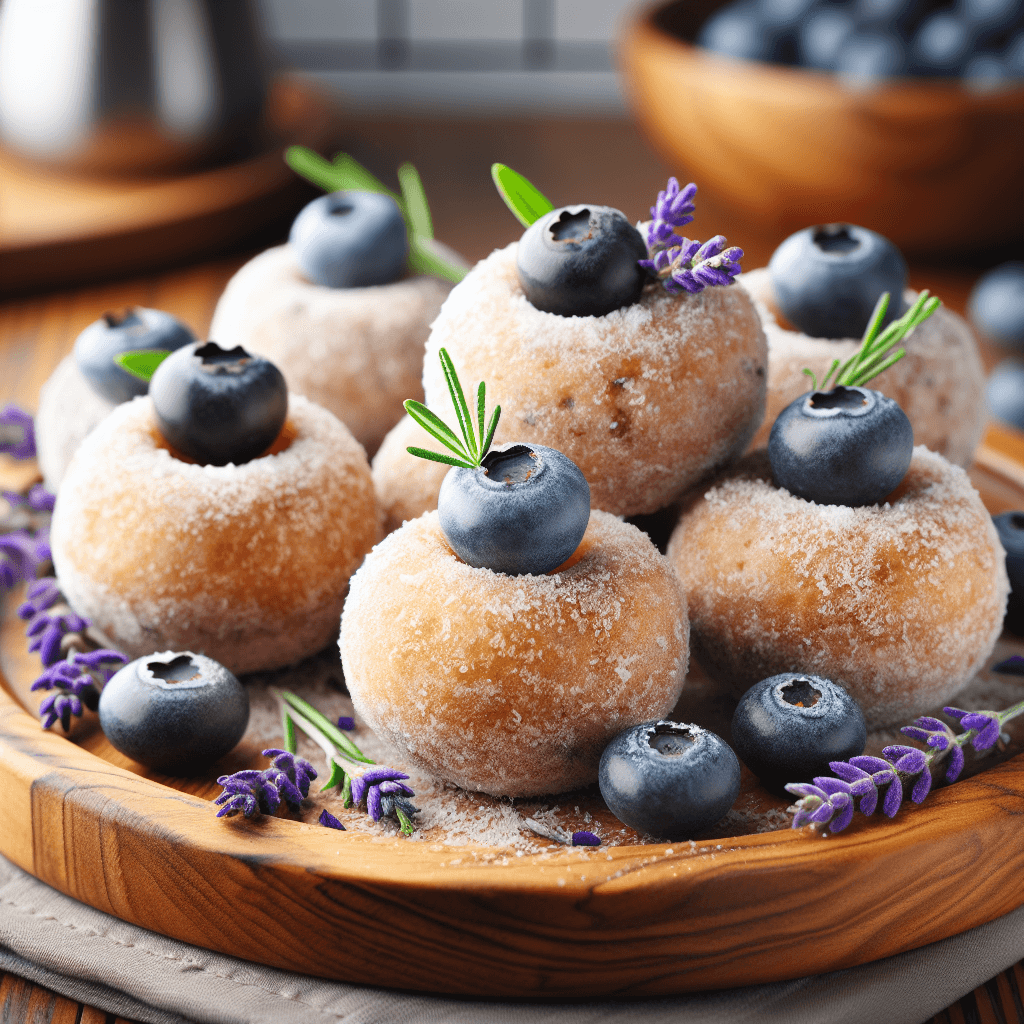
x: 513, y: 685
x: 407, y: 486
x: 356, y: 351
x: 939, y: 383
x: 247, y: 564
x: 646, y: 400
x: 900, y: 603
x: 69, y: 407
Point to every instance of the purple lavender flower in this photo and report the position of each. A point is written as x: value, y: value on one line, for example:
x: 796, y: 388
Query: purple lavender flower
x: 940, y: 737
x: 691, y: 266
x: 584, y: 838
x: 821, y: 801
x: 328, y: 820
x: 1012, y: 666
x: 40, y: 499
x: 17, y: 433
x: 41, y: 595
x: 986, y: 722
x: 673, y: 209
x: 377, y: 784
x: 291, y: 775
x: 76, y: 682
x: 346, y: 723
x: 18, y: 557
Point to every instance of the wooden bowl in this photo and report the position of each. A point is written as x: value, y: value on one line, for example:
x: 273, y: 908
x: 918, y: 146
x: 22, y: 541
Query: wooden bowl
x: 929, y: 164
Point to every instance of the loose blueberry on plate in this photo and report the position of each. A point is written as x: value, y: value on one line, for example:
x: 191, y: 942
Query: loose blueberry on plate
x: 996, y: 305
x: 217, y: 406
x: 581, y: 261
x: 787, y: 728
x: 174, y: 712
x: 134, y: 330
x: 827, y: 279
x: 523, y: 510
x: 669, y: 780
x: 351, y: 240
x: 1010, y: 527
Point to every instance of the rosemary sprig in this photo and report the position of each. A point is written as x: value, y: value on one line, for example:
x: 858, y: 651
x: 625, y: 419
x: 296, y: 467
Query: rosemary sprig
x: 347, y: 173
x: 476, y: 437
x: 875, y: 353
x: 360, y: 777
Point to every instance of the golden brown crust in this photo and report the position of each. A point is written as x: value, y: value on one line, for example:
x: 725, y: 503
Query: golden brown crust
x: 513, y: 685
x: 900, y: 603
x: 247, y: 564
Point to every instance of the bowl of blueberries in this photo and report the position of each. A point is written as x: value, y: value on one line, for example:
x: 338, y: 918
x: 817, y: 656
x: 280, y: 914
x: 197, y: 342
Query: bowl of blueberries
x: 902, y: 115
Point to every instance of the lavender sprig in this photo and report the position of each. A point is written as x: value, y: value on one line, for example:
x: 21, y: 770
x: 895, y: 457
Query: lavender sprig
x: 17, y: 433
x: 681, y: 264
x: 382, y: 790
x: 831, y: 800
x: 251, y: 792
x: 76, y: 667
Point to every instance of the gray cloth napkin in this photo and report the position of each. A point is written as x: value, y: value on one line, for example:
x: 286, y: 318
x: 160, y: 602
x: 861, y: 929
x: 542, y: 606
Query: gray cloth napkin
x: 97, y: 959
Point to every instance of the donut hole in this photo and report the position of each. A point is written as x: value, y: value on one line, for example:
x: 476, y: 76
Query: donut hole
x: 800, y: 693
x: 282, y: 442
x: 671, y: 740
x: 179, y: 670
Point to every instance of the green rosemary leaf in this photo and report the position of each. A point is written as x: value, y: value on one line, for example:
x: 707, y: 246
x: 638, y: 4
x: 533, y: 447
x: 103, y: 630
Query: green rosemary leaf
x: 877, y: 316
x: 143, y: 363
x: 338, y: 777
x: 326, y: 726
x: 288, y: 727
x: 459, y: 402
x: 346, y: 791
x: 448, y: 460
x: 491, y: 429
x: 314, y: 168
x: 521, y: 197
x: 425, y: 259
x: 814, y: 380
x: 832, y: 369
x: 353, y: 176
x: 871, y: 370
x: 481, y: 415
x: 407, y: 826
x: 436, y: 427
x: 417, y: 212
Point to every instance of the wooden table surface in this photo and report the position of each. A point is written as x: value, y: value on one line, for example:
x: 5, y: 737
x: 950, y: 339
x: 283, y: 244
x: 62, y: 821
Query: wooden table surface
x: 569, y: 160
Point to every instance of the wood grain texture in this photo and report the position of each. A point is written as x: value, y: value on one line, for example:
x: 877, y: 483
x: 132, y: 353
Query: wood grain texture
x: 616, y: 921
x: 786, y: 147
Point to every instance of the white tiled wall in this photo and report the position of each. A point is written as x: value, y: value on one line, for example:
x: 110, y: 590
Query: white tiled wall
x: 457, y: 55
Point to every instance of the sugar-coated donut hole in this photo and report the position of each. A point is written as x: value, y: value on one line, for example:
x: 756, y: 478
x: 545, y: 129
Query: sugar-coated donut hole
x: 898, y: 603
x: 645, y: 399
x: 939, y: 383
x: 513, y: 685
x: 247, y: 564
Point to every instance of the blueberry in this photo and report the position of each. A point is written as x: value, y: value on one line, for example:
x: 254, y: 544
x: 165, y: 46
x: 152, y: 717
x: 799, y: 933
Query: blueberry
x: 827, y: 279
x: 848, y: 446
x: 868, y: 56
x: 350, y: 240
x: 740, y: 30
x: 1010, y: 527
x: 899, y: 17
x: 992, y: 16
x: 996, y: 305
x: 524, y: 510
x: 669, y: 780
x: 131, y: 331
x: 1004, y: 392
x: 789, y: 727
x: 942, y: 44
x: 822, y: 34
x: 218, y: 406
x: 174, y: 712
x: 581, y: 261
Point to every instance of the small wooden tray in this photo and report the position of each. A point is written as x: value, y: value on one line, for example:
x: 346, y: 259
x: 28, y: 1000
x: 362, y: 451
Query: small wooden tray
x: 616, y: 921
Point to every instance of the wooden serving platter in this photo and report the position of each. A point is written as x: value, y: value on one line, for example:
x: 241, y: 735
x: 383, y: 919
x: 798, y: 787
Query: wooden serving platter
x: 636, y: 919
